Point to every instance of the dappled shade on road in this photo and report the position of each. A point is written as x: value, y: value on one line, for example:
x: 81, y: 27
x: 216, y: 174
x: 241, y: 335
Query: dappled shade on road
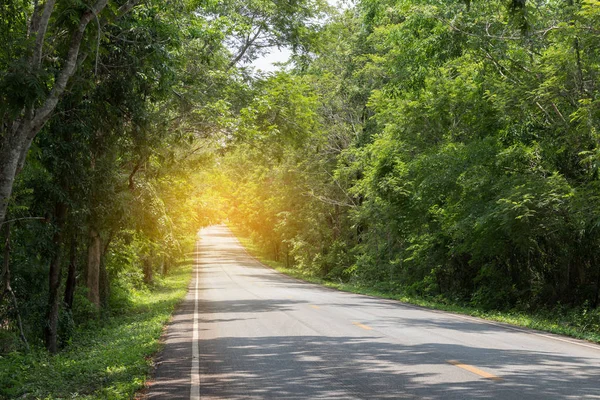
x: 265, y: 335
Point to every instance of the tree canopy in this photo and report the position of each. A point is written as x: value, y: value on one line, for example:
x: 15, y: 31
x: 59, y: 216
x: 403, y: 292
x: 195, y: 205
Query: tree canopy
x: 443, y: 149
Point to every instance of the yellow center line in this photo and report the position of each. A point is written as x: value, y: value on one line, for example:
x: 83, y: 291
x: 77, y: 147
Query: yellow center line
x: 362, y: 326
x: 474, y: 370
x: 315, y: 307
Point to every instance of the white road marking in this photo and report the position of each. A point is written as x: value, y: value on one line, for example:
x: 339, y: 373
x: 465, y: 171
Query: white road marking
x: 524, y: 330
x: 478, y: 320
x: 195, y: 372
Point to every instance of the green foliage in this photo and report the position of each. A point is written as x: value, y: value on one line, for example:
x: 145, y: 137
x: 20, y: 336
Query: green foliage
x: 453, y: 155
x: 442, y: 150
x: 114, y: 187
x: 580, y: 322
x: 252, y: 27
x: 106, y: 358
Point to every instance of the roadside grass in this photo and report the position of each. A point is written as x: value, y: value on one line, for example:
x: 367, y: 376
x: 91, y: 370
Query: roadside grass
x: 581, y: 323
x: 107, y: 358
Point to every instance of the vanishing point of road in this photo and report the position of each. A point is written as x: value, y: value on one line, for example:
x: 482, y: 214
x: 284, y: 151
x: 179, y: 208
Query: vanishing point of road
x: 248, y: 332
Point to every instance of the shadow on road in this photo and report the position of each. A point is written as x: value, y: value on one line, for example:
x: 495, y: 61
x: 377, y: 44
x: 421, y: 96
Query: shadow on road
x: 269, y: 365
x: 309, y: 367
x: 336, y: 367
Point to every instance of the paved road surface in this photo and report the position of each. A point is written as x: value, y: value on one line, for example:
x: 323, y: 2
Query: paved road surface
x: 262, y: 335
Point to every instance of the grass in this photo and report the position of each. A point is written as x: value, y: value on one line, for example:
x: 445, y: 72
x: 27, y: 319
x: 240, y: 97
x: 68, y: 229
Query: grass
x: 108, y: 358
x: 577, y: 323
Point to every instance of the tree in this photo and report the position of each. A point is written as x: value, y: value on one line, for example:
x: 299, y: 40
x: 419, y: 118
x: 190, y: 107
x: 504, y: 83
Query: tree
x: 32, y: 82
x: 457, y: 141
x: 252, y: 28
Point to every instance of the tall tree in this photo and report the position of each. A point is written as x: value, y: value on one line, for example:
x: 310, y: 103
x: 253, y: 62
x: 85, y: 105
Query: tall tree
x: 37, y: 64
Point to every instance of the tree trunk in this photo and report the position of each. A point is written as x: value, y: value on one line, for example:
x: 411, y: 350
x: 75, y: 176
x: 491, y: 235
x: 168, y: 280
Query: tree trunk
x: 148, y: 270
x: 104, y: 281
x: 51, y: 328
x: 597, y: 294
x: 71, y: 279
x: 276, y: 250
x: 573, y: 281
x: 287, y: 255
x: 163, y: 266
x: 13, y: 147
x: 6, y: 289
x: 18, y: 134
x: 5, y: 274
x: 104, y: 284
x: 93, y: 268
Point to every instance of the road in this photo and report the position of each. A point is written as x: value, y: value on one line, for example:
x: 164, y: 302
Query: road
x: 248, y: 332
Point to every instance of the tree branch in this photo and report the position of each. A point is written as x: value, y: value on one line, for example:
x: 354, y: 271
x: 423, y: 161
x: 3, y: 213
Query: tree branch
x: 40, y: 34
x: 132, y: 174
x: 125, y: 8
x: 326, y: 200
x: 35, y: 19
x: 20, y: 219
x: 249, y: 41
x: 43, y: 113
x: 8, y: 289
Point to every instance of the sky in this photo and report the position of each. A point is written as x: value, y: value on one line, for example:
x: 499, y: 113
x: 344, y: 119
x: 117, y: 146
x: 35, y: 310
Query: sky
x: 266, y: 62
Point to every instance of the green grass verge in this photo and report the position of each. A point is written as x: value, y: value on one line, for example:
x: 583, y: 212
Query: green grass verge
x: 569, y: 322
x: 108, y: 358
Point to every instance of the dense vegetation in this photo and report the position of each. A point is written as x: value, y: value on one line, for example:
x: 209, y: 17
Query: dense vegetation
x: 441, y: 149
x: 107, y: 358
x: 444, y: 149
x: 110, y: 113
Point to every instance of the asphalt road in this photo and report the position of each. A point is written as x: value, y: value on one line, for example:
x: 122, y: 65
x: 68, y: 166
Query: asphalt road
x: 246, y: 331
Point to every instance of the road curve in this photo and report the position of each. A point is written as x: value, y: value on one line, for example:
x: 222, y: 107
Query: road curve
x: 263, y: 335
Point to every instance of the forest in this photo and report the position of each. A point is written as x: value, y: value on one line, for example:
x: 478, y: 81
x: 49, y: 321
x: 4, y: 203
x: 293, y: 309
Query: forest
x: 443, y: 149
